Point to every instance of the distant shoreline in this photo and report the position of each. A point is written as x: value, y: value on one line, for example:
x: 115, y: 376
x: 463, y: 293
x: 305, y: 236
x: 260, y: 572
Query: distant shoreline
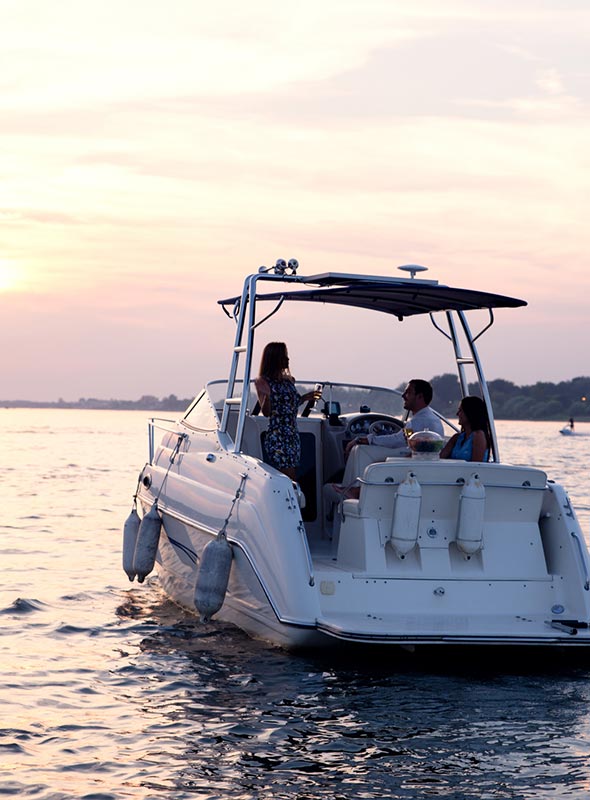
x: 99, y: 405
x: 181, y: 406
x: 543, y: 401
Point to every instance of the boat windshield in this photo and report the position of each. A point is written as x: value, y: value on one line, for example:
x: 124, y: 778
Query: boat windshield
x: 353, y: 398
x: 357, y: 397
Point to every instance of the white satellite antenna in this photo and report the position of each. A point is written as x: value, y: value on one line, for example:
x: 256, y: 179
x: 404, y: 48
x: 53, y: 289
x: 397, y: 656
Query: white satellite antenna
x: 413, y: 269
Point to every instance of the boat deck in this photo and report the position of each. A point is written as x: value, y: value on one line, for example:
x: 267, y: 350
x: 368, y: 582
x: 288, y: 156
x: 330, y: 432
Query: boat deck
x: 456, y: 628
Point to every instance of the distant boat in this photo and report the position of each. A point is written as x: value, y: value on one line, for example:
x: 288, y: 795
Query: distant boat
x: 567, y: 431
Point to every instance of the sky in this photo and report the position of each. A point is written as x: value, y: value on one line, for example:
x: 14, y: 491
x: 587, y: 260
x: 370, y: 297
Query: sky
x: 152, y: 154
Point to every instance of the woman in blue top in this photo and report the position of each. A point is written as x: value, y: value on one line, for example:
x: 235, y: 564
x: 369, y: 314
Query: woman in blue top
x: 279, y: 401
x: 474, y: 441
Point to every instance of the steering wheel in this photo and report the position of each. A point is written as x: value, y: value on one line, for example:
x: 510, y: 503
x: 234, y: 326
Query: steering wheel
x: 381, y: 426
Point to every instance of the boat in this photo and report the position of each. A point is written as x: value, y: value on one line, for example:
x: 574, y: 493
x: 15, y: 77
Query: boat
x: 431, y: 553
x: 567, y: 431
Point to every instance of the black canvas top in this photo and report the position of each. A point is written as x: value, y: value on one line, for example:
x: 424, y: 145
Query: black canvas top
x: 402, y: 298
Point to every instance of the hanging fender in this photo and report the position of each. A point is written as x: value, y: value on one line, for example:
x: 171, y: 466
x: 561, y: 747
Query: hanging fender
x: 130, y: 532
x: 213, y: 577
x: 148, y: 538
x: 406, y: 516
x: 470, y: 521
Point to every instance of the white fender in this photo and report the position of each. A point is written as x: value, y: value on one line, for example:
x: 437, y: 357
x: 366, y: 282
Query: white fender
x: 470, y: 521
x: 130, y: 531
x: 406, y: 516
x: 213, y: 577
x: 147, y: 543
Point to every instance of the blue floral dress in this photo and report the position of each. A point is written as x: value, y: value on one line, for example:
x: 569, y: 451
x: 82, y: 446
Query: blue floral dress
x: 282, y: 446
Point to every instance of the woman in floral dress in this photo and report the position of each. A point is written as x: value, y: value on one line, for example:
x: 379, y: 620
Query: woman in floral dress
x: 279, y: 401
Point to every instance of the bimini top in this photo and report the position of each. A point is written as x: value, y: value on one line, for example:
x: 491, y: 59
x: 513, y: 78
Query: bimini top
x: 398, y: 296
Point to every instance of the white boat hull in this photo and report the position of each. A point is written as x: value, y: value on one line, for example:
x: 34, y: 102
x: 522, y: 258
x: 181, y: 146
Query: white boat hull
x: 514, y: 591
x: 430, y: 552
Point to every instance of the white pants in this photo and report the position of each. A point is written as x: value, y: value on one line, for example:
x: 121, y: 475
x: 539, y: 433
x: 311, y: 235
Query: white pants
x: 362, y: 455
x: 359, y: 459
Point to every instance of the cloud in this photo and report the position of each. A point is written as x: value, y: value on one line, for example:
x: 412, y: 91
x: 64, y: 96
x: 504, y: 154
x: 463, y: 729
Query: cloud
x: 151, y: 155
x: 19, y: 216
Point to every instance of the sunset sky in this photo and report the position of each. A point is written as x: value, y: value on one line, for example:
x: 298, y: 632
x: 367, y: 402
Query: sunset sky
x: 154, y: 153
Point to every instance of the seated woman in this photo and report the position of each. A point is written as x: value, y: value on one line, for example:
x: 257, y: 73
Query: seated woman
x: 475, y: 440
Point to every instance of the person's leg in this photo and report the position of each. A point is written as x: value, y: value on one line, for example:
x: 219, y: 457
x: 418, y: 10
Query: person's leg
x: 360, y: 457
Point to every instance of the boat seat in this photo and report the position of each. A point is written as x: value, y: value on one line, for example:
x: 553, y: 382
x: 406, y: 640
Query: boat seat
x: 435, y: 533
x: 511, y: 493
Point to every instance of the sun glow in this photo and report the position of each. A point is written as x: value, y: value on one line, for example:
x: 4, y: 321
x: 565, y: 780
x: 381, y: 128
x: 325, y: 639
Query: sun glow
x: 10, y: 276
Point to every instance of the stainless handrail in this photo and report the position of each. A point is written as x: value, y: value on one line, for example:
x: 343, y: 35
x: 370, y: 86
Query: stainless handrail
x: 454, y: 483
x: 307, y: 552
x: 582, y: 559
x: 152, y: 427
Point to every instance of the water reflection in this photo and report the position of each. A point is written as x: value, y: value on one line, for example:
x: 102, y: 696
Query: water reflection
x: 255, y: 721
x: 111, y: 691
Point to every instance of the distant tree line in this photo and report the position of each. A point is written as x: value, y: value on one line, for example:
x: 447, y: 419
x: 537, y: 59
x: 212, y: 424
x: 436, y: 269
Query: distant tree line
x: 146, y: 402
x: 543, y: 400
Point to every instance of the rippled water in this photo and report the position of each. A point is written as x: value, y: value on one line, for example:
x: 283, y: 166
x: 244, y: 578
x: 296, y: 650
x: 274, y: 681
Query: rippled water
x: 110, y: 691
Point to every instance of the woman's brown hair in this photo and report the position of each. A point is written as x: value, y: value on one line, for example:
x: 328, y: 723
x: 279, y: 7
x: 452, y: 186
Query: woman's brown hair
x: 274, y: 363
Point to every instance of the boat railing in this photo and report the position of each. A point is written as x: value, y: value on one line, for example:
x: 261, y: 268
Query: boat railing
x: 155, y: 423
x: 582, y: 560
x: 307, y: 553
x: 457, y: 484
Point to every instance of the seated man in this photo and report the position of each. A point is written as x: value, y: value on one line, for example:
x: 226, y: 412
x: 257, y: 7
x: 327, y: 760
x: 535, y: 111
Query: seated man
x: 417, y: 397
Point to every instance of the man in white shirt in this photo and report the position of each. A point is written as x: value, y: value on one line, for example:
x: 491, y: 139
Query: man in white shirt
x: 417, y: 397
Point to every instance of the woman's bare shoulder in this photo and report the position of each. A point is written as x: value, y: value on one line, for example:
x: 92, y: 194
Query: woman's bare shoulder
x: 261, y: 383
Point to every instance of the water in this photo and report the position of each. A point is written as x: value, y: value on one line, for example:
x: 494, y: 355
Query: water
x: 110, y: 691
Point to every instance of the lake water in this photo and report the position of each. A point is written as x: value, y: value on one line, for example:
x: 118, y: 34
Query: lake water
x: 110, y: 691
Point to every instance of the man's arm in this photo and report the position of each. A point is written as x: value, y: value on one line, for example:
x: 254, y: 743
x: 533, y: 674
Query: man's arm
x: 387, y: 439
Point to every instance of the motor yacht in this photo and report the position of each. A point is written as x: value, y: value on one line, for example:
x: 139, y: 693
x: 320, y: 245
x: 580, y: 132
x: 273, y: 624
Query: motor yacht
x: 426, y: 552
